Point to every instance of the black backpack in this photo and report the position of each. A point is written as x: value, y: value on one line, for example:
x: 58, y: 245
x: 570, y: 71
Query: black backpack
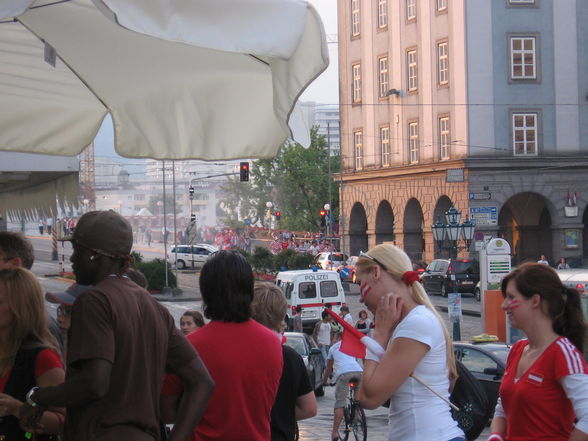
x: 474, y: 409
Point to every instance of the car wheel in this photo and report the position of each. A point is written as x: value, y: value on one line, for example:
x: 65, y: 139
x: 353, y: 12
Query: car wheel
x: 443, y: 290
x: 180, y: 264
x: 319, y: 391
x: 477, y: 294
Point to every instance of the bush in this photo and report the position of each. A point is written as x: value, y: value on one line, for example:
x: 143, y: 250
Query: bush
x: 300, y: 261
x: 154, y: 272
x: 262, y: 260
x: 137, y: 256
x: 283, y: 259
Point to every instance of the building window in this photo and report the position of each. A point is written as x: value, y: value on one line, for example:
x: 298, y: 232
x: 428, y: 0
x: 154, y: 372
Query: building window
x: 382, y: 13
x: 524, y: 133
x: 383, y: 76
x: 355, y: 17
x: 411, y: 10
x: 441, y: 5
x: 443, y: 63
x: 522, y: 58
x: 358, y: 149
x: 411, y: 62
x: 444, y: 137
x: 356, y: 68
x: 385, y: 145
x: 413, y: 142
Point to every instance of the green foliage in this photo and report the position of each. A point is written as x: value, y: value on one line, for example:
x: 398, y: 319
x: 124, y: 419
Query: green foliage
x: 296, y: 181
x: 281, y: 260
x: 137, y: 256
x: 300, y: 261
x: 154, y: 272
x: 262, y: 260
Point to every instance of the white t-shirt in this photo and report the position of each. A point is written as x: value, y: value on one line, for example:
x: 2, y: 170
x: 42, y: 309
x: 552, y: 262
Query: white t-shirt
x: 343, y: 363
x: 416, y: 413
x: 348, y: 319
x: 323, y: 335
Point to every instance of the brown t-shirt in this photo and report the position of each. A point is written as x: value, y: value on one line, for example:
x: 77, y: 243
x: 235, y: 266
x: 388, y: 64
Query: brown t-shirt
x: 119, y: 322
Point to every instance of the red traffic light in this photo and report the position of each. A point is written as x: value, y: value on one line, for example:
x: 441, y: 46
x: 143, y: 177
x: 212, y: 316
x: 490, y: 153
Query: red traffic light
x: 278, y: 214
x: 244, y: 171
x: 323, y: 213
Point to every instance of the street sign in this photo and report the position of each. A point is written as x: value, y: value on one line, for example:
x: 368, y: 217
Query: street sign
x: 345, y: 272
x: 484, y: 216
x: 484, y: 196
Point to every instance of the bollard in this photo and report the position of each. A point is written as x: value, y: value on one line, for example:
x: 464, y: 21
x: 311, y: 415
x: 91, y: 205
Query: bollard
x: 54, y: 254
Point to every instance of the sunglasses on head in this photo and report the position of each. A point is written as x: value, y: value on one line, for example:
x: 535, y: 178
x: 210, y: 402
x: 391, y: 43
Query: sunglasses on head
x: 373, y: 259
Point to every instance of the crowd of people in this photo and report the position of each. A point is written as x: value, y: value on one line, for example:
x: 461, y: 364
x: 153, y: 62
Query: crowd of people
x: 115, y: 366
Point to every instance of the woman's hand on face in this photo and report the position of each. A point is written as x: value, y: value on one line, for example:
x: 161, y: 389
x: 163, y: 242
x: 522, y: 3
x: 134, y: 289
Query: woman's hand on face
x: 388, y: 315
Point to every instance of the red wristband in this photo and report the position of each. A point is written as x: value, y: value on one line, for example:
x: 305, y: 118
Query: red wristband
x: 495, y: 437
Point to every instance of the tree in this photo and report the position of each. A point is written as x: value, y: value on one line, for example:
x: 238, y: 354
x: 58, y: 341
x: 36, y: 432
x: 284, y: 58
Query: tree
x: 296, y: 181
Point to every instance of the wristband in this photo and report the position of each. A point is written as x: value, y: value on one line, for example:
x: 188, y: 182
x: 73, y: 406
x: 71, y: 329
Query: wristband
x: 495, y: 437
x: 29, y: 397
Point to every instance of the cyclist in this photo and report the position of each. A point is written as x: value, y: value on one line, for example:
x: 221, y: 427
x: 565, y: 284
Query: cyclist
x: 346, y: 368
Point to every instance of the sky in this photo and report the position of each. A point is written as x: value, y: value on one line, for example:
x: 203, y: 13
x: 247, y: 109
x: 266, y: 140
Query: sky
x: 324, y: 90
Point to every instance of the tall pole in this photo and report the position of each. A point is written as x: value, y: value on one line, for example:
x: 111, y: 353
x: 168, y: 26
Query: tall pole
x: 164, y: 226
x: 174, y: 206
x: 330, y: 213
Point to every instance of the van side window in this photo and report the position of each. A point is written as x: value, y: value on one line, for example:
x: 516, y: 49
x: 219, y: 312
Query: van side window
x: 307, y: 290
x: 288, y: 289
x: 329, y: 288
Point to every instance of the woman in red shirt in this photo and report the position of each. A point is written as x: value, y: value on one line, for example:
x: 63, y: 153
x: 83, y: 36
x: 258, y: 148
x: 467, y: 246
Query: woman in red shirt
x: 28, y: 353
x: 545, y: 386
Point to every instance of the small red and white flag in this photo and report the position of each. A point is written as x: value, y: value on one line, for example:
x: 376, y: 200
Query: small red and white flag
x: 354, y: 343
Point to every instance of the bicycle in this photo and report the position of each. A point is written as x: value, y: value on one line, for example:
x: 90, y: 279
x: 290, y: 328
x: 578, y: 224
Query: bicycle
x: 355, y: 421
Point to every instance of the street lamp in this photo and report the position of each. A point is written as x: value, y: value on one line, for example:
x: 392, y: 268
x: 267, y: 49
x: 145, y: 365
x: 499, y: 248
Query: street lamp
x: 453, y: 232
x: 269, y: 205
x: 120, y: 202
x: 86, y: 202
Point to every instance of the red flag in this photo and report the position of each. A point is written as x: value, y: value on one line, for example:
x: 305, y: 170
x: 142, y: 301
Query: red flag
x: 351, y: 343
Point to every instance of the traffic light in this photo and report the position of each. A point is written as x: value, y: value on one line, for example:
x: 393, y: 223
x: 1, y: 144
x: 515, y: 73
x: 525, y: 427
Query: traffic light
x: 244, y: 171
x: 278, y: 214
x: 192, y: 217
x: 323, y: 214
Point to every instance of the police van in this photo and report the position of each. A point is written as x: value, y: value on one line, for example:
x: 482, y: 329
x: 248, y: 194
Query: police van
x: 311, y: 289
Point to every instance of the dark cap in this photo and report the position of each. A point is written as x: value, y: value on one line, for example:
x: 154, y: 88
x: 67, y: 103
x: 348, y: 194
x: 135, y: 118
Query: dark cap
x: 69, y: 296
x: 105, y: 232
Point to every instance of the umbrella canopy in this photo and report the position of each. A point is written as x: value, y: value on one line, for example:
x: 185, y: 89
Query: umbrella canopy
x: 182, y: 79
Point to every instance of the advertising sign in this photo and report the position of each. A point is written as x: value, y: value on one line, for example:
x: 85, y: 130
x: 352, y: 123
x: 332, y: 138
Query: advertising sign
x: 484, y: 216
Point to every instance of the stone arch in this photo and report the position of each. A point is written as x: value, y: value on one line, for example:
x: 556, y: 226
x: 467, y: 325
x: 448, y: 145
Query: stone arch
x: 413, y: 230
x: 358, y: 238
x: 384, y: 223
x: 525, y: 220
x: 443, y: 204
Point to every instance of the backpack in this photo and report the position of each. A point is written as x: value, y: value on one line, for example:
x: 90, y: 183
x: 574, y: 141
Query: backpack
x: 474, y: 409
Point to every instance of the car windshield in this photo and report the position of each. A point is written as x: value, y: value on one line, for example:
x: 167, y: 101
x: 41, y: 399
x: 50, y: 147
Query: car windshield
x: 297, y: 344
x: 464, y: 266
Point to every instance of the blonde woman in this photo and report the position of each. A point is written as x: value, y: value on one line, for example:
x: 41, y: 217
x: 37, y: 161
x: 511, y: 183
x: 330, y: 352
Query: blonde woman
x: 28, y: 353
x: 416, y: 341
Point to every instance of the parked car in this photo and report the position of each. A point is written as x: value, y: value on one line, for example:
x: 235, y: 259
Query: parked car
x: 477, y: 292
x: 575, y: 278
x: 330, y: 261
x: 313, y: 360
x: 487, y: 363
x: 347, y: 270
x: 437, y: 277
x: 190, y: 256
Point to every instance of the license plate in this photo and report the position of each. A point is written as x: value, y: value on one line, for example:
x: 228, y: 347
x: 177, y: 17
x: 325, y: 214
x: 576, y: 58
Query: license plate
x: 307, y: 314
x: 467, y: 282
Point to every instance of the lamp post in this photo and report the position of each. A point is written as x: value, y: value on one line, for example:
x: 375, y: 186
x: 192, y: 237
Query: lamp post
x: 120, y: 202
x: 453, y: 232
x: 327, y: 208
x: 86, y: 202
x: 269, y: 205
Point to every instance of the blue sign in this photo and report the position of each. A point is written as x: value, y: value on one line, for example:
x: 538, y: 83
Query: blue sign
x: 484, y: 216
x: 345, y: 272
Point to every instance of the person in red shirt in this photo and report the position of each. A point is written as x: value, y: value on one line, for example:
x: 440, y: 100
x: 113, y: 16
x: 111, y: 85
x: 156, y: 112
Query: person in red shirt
x: 545, y: 386
x: 28, y: 352
x: 243, y: 357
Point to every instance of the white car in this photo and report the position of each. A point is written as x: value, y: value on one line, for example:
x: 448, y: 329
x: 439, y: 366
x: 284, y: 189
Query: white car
x: 190, y: 256
x: 330, y: 261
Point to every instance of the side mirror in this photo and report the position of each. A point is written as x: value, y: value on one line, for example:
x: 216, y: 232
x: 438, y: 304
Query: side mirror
x: 315, y: 351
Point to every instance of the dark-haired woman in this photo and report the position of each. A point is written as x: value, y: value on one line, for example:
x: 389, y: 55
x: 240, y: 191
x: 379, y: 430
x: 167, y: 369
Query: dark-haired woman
x: 28, y: 353
x: 243, y: 357
x: 545, y: 386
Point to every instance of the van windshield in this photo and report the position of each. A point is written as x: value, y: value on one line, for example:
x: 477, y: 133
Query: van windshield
x: 329, y: 288
x: 307, y: 290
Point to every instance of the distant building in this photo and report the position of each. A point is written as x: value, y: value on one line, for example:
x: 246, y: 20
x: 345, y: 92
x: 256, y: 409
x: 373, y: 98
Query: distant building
x: 326, y: 117
x: 476, y: 104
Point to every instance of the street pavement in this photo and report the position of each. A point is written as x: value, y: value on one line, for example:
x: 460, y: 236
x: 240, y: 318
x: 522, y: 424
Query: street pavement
x: 314, y: 429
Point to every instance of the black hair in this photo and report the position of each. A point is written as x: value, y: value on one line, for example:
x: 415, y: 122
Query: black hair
x: 563, y: 303
x: 324, y: 314
x: 13, y: 244
x: 226, y: 284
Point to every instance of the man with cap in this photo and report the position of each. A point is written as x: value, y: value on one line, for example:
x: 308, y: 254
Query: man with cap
x: 65, y: 300
x: 121, y: 343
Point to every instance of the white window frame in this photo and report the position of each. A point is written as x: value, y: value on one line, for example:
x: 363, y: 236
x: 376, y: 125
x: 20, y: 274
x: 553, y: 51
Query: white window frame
x: 411, y: 10
x: 412, y: 70
x: 356, y: 75
x: 382, y: 13
x: 443, y: 63
x: 383, y: 75
x: 355, y: 18
x: 441, y: 5
x: 524, y: 130
x: 444, y: 137
x: 523, y: 53
x: 413, y: 142
x: 385, y: 149
x: 358, y: 149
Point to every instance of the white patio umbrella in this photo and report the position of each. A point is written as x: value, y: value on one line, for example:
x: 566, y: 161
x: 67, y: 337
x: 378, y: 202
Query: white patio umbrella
x: 201, y: 79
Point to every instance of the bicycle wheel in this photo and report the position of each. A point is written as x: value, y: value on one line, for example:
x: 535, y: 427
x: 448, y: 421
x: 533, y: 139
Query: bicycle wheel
x: 359, y: 423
